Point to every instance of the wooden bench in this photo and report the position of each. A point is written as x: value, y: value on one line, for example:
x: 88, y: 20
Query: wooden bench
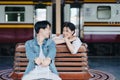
x: 70, y: 66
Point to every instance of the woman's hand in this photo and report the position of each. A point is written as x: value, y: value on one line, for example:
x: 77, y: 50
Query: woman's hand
x: 72, y: 39
x: 69, y: 39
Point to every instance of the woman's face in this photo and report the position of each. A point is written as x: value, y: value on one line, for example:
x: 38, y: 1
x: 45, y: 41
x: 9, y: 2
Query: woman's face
x: 67, y: 32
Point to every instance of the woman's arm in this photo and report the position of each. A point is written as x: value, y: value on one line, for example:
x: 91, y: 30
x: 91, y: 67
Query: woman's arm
x: 59, y: 41
x: 69, y: 45
x: 74, y: 46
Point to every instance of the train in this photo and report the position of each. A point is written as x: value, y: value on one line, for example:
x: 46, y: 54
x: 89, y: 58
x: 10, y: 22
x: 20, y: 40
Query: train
x: 97, y: 22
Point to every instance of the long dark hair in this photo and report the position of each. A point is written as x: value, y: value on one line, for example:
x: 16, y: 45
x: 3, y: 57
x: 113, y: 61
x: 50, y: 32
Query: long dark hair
x: 70, y: 25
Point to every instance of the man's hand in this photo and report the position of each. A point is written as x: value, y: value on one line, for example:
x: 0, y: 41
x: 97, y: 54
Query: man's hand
x: 46, y: 62
x: 38, y: 61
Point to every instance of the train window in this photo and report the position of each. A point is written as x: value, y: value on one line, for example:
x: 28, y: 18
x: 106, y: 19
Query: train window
x: 103, y: 12
x: 74, y: 17
x: 41, y: 14
x: 14, y: 14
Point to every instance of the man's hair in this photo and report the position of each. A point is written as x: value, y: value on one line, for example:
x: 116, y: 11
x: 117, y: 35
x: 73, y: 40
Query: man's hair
x: 41, y: 25
x: 70, y: 25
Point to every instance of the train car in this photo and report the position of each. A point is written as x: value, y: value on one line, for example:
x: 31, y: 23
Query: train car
x: 17, y: 20
x: 97, y: 22
x: 16, y: 24
x: 102, y: 27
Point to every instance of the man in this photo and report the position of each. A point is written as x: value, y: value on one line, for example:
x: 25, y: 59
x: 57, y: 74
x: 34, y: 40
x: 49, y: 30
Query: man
x: 41, y: 52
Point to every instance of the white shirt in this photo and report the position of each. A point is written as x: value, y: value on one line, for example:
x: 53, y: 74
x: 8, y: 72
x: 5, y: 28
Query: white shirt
x: 38, y: 68
x: 76, y: 43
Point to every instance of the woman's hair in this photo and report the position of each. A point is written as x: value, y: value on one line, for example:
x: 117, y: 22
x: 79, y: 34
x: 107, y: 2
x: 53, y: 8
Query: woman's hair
x: 41, y: 25
x: 70, y: 25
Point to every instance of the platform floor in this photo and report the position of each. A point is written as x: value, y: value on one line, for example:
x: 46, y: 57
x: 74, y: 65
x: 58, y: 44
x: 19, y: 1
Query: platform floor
x: 107, y: 64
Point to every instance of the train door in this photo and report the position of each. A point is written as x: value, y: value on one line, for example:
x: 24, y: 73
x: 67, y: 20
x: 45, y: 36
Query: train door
x: 74, y: 13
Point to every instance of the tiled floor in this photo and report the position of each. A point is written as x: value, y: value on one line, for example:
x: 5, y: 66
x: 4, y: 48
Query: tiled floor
x: 107, y: 64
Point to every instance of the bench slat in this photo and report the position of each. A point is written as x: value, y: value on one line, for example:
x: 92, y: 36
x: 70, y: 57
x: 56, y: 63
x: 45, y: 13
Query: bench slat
x: 60, y: 48
x: 71, y: 59
x: 57, y: 55
x: 71, y: 55
x: 72, y: 69
x: 60, y: 69
x: 63, y: 48
x: 57, y: 59
x: 63, y: 64
x: 71, y: 64
x: 19, y: 54
x: 22, y: 59
x: 75, y: 75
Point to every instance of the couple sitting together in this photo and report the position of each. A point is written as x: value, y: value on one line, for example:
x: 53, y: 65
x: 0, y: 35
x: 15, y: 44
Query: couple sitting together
x: 41, y: 51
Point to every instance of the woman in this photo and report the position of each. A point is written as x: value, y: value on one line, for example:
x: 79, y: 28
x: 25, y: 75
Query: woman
x: 41, y: 52
x: 72, y: 41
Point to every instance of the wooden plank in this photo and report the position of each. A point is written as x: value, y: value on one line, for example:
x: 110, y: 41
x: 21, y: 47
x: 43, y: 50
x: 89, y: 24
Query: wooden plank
x: 20, y: 64
x: 71, y: 59
x: 21, y: 59
x: 60, y: 48
x: 56, y: 63
x: 71, y: 55
x: 20, y: 69
x: 72, y: 69
x: 63, y: 48
x: 57, y: 59
x: 60, y: 69
x: 18, y: 54
x: 79, y: 64
x: 20, y: 48
x: 74, y: 75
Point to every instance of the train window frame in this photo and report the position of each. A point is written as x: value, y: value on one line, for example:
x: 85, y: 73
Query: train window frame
x: 14, y: 14
x: 74, y: 16
x: 40, y: 12
x: 105, y: 11
x: 77, y: 23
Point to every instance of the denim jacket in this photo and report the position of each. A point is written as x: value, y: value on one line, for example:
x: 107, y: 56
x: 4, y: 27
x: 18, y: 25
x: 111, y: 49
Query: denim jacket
x: 32, y: 52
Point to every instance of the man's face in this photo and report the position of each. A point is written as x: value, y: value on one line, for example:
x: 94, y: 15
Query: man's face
x: 46, y: 32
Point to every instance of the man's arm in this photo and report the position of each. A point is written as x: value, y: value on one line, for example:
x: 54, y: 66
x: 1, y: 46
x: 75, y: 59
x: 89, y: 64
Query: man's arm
x: 51, y: 54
